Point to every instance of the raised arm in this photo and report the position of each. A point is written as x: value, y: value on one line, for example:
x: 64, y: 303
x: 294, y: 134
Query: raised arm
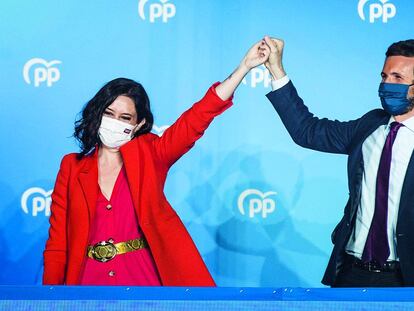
x: 182, y: 135
x: 305, y: 129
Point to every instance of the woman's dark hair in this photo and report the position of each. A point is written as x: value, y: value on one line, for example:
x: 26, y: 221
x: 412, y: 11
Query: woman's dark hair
x: 87, y: 127
x: 401, y: 48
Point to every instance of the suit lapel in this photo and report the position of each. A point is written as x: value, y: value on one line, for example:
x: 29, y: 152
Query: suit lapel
x: 407, y: 189
x: 88, y: 179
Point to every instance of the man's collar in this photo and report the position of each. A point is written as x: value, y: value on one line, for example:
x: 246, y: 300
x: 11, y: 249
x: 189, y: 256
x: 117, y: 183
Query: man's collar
x: 409, y: 123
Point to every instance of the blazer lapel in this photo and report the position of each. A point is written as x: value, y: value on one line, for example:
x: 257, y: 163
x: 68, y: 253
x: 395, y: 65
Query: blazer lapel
x: 130, y: 155
x: 88, y: 179
x: 407, y: 191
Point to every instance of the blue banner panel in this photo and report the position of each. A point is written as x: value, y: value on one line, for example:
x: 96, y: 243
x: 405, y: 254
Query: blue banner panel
x: 259, y: 208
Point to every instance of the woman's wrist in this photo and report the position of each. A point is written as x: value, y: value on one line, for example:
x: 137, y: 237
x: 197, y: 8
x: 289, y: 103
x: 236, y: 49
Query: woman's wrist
x: 243, y: 68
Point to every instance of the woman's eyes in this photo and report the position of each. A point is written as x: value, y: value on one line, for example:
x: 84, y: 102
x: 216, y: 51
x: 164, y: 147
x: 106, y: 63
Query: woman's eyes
x: 111, y: 114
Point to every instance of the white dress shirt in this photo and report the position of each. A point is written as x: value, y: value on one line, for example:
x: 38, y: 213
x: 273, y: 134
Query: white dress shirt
x: 371, y: 151
x: 279, y: 83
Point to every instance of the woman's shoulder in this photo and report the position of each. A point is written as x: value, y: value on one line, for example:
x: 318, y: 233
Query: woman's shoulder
x: 70, y: 159
x: 149, y: 137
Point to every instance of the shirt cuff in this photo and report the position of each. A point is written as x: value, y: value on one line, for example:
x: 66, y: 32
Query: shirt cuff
x: 278, y: 84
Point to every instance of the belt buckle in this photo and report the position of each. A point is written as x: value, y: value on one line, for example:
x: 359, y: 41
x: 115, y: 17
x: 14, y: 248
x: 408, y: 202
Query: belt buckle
x: 374, y: 267
x: 103, y: 251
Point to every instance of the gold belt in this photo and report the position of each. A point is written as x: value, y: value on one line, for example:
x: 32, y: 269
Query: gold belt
x: 105, y: 250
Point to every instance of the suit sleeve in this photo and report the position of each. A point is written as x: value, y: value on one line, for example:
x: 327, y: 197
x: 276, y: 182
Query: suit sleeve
x: 55, y: 250
x: 307, y: 130
x: 190, y: 126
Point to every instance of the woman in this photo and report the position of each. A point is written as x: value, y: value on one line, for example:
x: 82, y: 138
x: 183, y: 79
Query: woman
x: 111, y: 223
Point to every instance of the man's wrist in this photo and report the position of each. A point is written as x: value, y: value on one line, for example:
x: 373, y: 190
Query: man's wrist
x: 277, y: 72
x: 278, y: 84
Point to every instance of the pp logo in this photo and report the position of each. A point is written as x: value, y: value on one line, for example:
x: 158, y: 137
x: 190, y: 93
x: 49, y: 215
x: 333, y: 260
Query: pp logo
x: 258, y: 75
x: 43, y: 71
x: 36, y: 200
x: 256, y: 203
x: 381, y: 9
x: 163, y: 9
x: 159, y: 130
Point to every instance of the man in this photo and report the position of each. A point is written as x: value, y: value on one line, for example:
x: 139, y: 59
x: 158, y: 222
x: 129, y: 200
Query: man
x: 374, y: 241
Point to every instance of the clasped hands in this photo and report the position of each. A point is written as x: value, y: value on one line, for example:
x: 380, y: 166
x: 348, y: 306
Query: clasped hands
x: 268, y: 51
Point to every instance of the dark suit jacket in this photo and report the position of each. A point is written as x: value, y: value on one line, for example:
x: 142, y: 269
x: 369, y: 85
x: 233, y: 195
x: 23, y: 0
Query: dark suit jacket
x: 347, y: 138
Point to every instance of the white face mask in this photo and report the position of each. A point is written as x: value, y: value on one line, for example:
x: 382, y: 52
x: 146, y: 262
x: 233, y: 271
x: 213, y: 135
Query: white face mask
x: 114, y: 133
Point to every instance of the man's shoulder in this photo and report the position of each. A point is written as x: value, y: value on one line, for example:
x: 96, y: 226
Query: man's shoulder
x: 375, y: 115
x: 369, y: 122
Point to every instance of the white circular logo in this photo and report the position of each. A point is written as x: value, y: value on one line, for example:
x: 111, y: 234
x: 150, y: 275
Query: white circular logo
x: 43, y: 72
x: 256, y: 203
x: 381, y: 9
x: 258, y: 76
x: 162, y: 10
x: 36, y: 200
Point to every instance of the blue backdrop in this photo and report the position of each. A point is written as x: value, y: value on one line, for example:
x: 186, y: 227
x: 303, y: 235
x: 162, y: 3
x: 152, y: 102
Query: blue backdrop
x: 259, y: 208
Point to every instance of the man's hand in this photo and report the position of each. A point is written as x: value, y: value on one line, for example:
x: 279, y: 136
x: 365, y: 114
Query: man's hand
x: 274, y: 62
x: 257, y: 55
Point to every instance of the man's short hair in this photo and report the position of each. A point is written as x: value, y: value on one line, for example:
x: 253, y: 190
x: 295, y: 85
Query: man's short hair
x: 401, y: 48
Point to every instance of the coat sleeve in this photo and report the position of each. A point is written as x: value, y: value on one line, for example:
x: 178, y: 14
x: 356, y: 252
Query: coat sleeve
x: 190, y: 126
x: 307, y: 130
x: 55, y: 251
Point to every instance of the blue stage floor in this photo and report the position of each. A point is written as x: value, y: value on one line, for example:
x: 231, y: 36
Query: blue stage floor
x: 222, y: 298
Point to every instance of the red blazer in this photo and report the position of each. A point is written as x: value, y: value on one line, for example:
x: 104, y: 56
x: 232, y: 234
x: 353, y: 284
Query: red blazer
x: 147, y: 160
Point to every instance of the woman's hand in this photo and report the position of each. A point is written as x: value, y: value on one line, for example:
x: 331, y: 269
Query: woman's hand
x: 255, y: 56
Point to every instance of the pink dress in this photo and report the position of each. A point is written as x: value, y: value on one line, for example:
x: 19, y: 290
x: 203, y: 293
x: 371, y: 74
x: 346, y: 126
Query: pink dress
x: 115, y: 219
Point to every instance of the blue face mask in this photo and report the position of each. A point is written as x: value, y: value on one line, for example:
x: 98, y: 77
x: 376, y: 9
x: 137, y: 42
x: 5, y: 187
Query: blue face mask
x: 394, y: 98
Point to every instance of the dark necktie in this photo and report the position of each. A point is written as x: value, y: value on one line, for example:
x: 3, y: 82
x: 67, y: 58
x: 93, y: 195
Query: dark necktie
x: 376, y: 247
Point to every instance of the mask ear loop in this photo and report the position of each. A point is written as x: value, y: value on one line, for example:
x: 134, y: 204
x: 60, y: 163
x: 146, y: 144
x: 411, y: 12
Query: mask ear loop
x: 408, y: 91
x: 138, y: 126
